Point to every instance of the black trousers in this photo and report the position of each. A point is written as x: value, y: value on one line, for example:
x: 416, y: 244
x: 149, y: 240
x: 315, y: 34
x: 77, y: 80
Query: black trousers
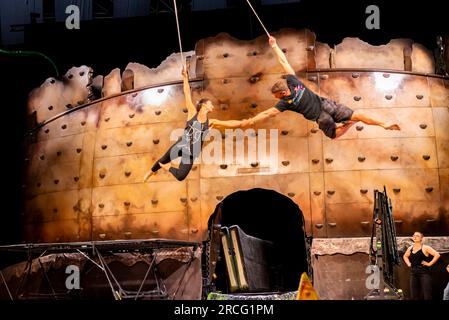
x: 421, y: 286
x: 175, y: 151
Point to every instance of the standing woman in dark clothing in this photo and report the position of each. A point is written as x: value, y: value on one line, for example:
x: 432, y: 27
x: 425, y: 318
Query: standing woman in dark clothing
x: 189, y: 145
x: 418, y: 258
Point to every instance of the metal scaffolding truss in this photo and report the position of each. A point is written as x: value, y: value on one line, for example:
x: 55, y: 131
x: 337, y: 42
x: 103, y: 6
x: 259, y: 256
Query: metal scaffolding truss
x: 95, y: 252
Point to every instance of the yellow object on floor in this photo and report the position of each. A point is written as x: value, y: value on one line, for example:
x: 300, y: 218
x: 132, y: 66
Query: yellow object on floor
x: 306, y: 290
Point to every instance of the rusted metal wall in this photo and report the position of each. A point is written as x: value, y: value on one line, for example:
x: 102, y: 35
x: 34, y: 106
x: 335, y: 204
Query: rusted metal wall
x: 85, y: 169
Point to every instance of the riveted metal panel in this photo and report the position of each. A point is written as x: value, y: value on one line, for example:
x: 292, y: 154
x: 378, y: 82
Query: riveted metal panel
x: 349, y: 219
x: 196, y: 222
x: 426, y: 217
x: 441, y: 118
x: 376, y: 89
x: 404, y: 185
x: 153, y: 138
x: 64, y: 205
x: 317, y: 228
x: 166, y: 225
x: 439, y: 92
x: 139, y: 198
x: 343, y: 187
x: 380, y: 154
x: 224, y: 56
x: 58, y: 231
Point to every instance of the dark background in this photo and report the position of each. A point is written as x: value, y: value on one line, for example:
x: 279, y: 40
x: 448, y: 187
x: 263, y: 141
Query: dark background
x: 104, y: 44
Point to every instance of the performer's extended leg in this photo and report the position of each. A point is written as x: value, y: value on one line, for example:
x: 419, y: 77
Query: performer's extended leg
x: 183, y: 170
x: 358, y: 116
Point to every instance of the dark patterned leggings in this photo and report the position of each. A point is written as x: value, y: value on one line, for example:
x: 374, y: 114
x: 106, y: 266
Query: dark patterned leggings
x: 175, y: 151
x: 421, y: 286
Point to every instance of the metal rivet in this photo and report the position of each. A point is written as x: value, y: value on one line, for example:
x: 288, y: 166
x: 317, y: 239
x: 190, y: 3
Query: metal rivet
x: 396, y: 190
x: 55, y: 210
x: 193, y: 199
x: 317, y: 193
x: 332, y: 224
x: 285, y: 163
x: 132, y: 115
x: 50, y: 108
x: 361, y: 158
x: 291, y: 194
x: 284, y: 132
x: 160, y: 90
x: 364, y: 223
x: 107, y: 119
x: 56, y: 181
x: 423, y: 126
x: 129, y: 143
x: 102, y: 175
x: 357, y: 98
x: 78, y: 150
x: 225, y: 55
x: 324, y: 76
x: 127, y: 173
x: 59, y: 153
x: 225, y: 81
x: 102, y: 235
x: 156, y: 141
x: 254, y: 79
x: 419, y: 96
x: 359, y: 128
x: 183, y: 200
x: 219, y: 198
x: 83, y: 123
x: 254, y: 164
x: 386, y: 75
x: 154, y: 201
x: 319, y: 225
x: 104, y: 147
x: 134, y: 94
x: 363, y: 191
x: 284, y: 50
x: 253, y: 105
x: 47, y: 130
x: 101, y: 205
x: 42, y: 157
x: 155, y: 232
x: 76, y: 179
x: 252, y: 53
x: 388, y: 97
x: 127, y: 203
x: 313, y: 78
x: 430, y: 220
x: 157, y: 112
x: 194, y: 168
x: 331, y: 192
x: 426, y: 157
x: 329, y: 160
x: 355, y: 75
x: 223, y: 166
x: 38, y: 184
x: 398, y: 221
x: 68, y: 106
x: 429, y: 189
x: 315, y: 161
x: 194, y: 230
x: 394, y: 158
x: 185, y: 110
x: 64, y: 126
x: 314, y: 130
x: 310, y: 48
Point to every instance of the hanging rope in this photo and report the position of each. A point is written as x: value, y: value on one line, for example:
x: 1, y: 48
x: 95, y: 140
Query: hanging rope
x: 179, y: 33
x: 266, y: 31
x: 30, y: 53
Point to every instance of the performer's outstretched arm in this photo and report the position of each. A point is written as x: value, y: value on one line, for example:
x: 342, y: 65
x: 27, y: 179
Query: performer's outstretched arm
x: 229, y: 124
x: 280, y: 56
x: 271, y: 112
x: 191, y: 110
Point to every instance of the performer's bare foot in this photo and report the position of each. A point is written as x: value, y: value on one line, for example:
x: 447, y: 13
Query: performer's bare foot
x: 391, y: 126
x: 148, y: 175
x: 166, y: 166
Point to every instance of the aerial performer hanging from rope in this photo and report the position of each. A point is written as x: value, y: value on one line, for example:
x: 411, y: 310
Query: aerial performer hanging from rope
x: 294, y: 96
x: 188, y: 146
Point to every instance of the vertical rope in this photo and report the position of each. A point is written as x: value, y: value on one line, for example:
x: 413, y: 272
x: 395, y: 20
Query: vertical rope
x: 179, y: 33
x: 266, y: 31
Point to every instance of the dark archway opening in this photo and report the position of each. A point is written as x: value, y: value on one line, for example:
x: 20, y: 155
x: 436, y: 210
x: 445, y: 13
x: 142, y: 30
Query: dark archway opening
x: 271, y: 216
